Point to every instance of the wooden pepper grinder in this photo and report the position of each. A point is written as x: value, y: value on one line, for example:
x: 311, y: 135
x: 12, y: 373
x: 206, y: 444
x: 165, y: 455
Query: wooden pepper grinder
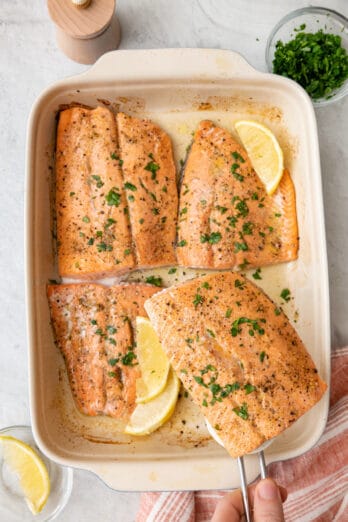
x: 85, y: 29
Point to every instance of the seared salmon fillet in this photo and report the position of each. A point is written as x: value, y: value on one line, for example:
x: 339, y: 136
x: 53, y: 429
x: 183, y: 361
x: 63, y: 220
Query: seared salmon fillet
x: 93, y: 327
x: 238, y: 356
x: 93, y: 229
x: 150, y: 183
x: 226, y: 218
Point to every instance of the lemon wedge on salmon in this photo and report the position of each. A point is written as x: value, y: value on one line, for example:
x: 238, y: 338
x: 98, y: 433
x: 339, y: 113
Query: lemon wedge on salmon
x: 30, y: 469
x: 148, y: 417
x: 153, y: 362
x: 264, y: 152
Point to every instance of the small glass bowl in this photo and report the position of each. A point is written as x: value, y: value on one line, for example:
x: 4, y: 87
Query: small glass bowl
x: 13, y: 507
x: 315, y: 18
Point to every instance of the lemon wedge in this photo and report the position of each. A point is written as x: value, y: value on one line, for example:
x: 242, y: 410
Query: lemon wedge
x: 153, y: 362
x: 23, y: 461
x: 264, y: 152
x: 148, y: 417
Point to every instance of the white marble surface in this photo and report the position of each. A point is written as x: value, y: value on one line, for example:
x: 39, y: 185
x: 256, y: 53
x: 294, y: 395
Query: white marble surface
x: 29, y: 61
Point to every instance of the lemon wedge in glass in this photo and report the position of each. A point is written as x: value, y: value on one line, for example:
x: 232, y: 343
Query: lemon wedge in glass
x: 148, y: 417
x: 264, y: 152
x: 30, y: 469
x: 153, y: 362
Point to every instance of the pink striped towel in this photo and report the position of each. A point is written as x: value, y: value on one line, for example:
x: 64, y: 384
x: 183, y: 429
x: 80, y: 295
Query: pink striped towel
x: 317, y: 482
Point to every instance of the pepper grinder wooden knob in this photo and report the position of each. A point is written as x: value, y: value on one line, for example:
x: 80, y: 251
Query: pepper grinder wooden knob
x: 85, y: 29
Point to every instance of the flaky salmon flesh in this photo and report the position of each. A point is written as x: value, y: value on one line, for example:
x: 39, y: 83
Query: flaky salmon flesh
x: 116, y: 194
x: 226, y: 218
x: 238, y: 356
x: 94, y: 330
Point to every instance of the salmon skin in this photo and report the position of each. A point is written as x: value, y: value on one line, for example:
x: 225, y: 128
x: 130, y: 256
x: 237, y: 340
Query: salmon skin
x: 226, y: 218
x: 94, y: 330
x: 150, y: 182
x: 93, y: 229
x: 238, y: 355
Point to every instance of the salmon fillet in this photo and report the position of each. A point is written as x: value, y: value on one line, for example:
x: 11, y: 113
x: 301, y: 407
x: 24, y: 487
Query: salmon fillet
x: 93, y: 327
x: 238, y: 356
x: 93, y: 229
x: 150, y: 182
x: 226, y: 218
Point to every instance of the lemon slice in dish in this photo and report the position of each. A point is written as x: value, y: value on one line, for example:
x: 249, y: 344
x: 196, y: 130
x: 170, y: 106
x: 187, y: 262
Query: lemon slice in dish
x: 264, y: 152
x: 153, y: 362
x: 148, y: 417
x: 30, y: 469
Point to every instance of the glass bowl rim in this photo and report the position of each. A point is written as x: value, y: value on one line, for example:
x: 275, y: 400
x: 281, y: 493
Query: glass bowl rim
x: 294, y: 14
x: 68, y: 470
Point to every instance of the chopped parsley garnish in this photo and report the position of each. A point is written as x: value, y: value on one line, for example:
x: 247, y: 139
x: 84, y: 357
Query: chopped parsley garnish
x: 112, y: 374
x: 247, y: 228
x: 254, y: 323
x: 211, y: 333
x: 114, y: 156
x: 244, y: 265
x: 113, y: 198
x: 242, y: 208
x: 103, y: 247
x: 285, y: 294
x: 155, y: 211
x: 317, y: 61
x: 233, y: 220
x: 239, y: 284
x: 212, y: 239
x: 153, y: 168
x: 277, y: 215
x: 183, y: 370
x: 109, y: 222
x: 206, y: 285
x: 85, y: 219
x: 93, y: 321
x: 238, y: 157
x: 153, y: 280
x: 257, y: 274
x: 183, y: 211
x: 228, y: 313
x: 172, y: 270
x: 182, y: 243
x: 130, y: 186
x: 242, y: 411
x: 236, y: 174
x: 141, y: 220
x: 90, y: 241
x: 221, y: 209
x: 113, y: 361
x: 127, y: 252
x: 277, y: 311
x: 249, y: 388
x: 111, y: 329
x: 131, y: 198
x: 254, y: 196
x: 189, y: 340
x: 199, y: 380
x: 128, y: 359
x: 99, y: 233
x: 98, y: 180
x: 72, y: 194
x: 240, y: 247
x: 262, y: 356
x: 198, y: 299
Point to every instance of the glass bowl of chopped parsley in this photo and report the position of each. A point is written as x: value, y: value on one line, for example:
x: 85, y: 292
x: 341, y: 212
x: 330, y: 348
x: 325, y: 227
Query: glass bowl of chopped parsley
x: 310, y: 46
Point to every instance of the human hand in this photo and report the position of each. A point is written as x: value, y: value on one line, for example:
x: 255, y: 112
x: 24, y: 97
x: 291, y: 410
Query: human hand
x: 265, y: 498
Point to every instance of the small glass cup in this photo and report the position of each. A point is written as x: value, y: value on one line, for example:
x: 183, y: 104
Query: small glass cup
x: 13, y: 507
x: 314, y: 18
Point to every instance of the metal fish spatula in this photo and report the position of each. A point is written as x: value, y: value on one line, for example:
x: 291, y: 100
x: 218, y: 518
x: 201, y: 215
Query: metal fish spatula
x: 241, y: 467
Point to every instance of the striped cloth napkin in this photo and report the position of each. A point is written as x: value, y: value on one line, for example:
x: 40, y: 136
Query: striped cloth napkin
x: 317, y: 482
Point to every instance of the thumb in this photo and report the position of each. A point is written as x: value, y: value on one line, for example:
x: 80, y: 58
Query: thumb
x: 268, y: 502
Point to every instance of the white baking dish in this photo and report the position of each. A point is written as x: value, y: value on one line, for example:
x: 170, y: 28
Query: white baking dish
x: 176, y: 88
